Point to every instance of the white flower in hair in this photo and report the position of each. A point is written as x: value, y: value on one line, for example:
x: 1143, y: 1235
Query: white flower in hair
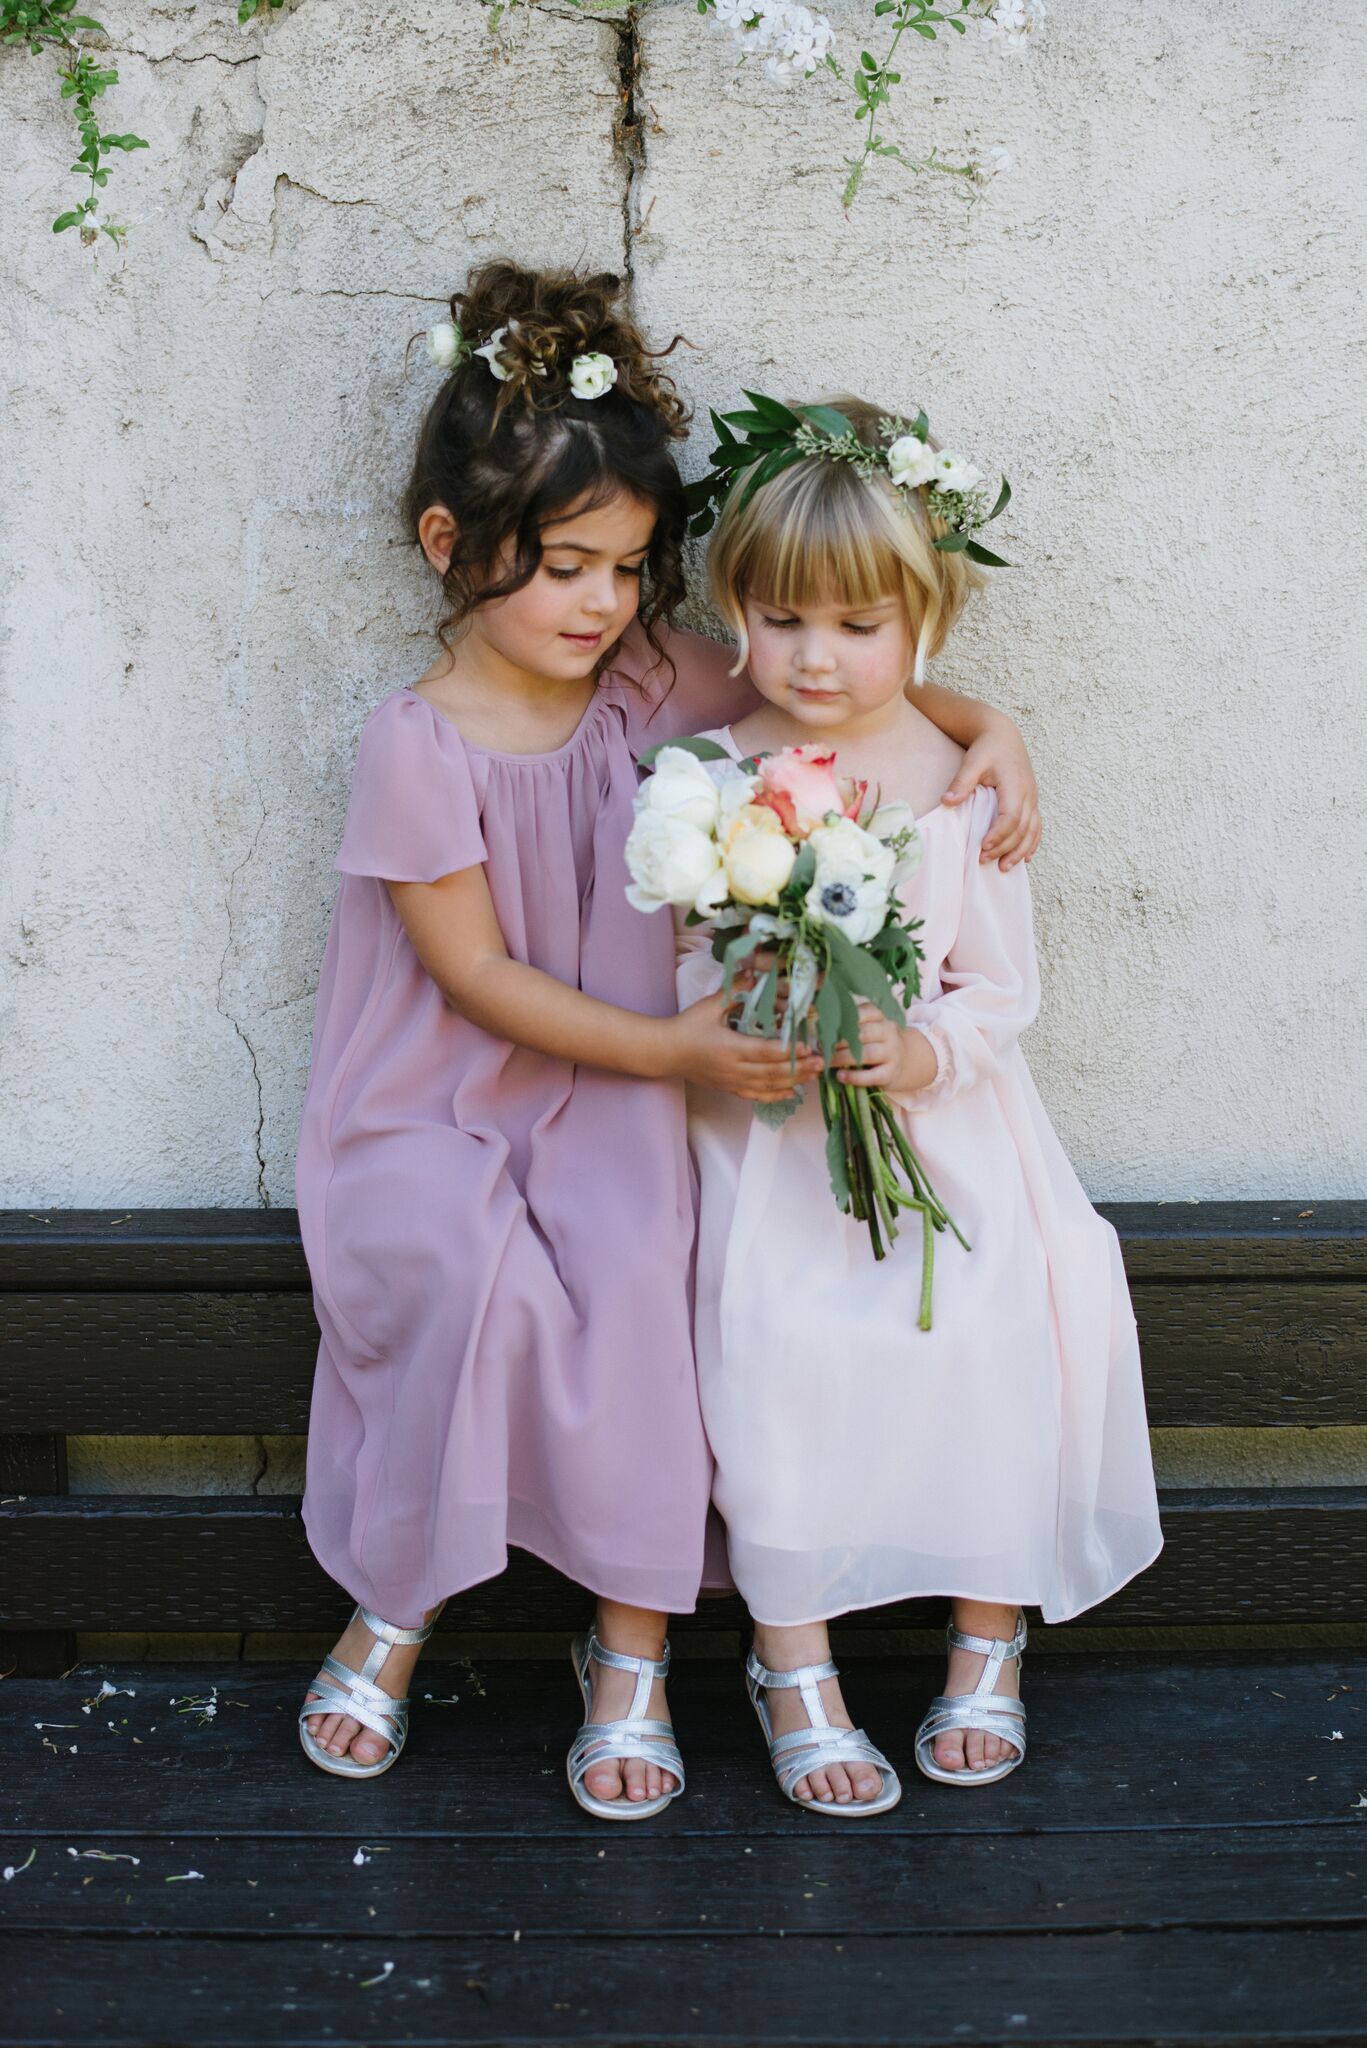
x: 490, y: 353
x: 445, y: 344
x: 591, y: 376
x: 953, y: 475
x: 911, y: 463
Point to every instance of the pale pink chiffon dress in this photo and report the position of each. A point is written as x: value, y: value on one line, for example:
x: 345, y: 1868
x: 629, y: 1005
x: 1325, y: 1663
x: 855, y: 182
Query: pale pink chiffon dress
x: 500, y: 1242
x: 1003, y: 1455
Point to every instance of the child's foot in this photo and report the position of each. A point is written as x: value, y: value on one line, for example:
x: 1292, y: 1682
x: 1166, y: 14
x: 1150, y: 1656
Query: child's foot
x: 968, y: 1749
x: 339, y: 1734
x: 632, y: 1632
x: 786, y: 1649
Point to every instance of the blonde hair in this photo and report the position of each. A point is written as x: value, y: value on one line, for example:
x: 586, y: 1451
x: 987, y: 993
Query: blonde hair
x: 820, y: 533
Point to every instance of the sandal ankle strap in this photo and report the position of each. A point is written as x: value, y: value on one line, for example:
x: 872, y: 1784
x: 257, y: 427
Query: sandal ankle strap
x: 984, y: 1646
x: 615, y: 1660
x: 805, y: 1678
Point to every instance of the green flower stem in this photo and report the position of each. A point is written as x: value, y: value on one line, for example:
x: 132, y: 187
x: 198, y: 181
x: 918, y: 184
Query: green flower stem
x: 883, y: 1175
x: 927, y: 1269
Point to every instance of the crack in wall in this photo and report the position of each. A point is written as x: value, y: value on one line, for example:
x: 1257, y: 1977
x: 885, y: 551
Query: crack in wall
x: 628, y: 131
x: 263, y: 1196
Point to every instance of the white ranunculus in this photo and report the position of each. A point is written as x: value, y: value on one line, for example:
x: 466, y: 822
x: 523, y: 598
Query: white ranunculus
x: 490, y: 353
x: 911, y: 462
x: 681, y: 787
x: 591, y: 376
x: 951, y: 474
x: 851, y: 847
x: 668, y: 861
x: 445, y: 344
x: 758, y: 856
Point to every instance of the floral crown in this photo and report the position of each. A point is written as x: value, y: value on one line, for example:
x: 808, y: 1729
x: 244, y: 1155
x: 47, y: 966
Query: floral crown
x: 772, y: 437
x: 590, y: 375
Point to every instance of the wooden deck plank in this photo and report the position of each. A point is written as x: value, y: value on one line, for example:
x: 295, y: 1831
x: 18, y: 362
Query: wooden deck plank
x: 1225, y: 1353
x: 105, y: 1561
x: 1183, y: 1989
x: 636, y: 1885
x: 1122, y: 1744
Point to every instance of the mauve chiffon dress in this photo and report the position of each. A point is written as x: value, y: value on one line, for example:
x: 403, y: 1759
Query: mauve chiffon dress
x: 500, y: 1242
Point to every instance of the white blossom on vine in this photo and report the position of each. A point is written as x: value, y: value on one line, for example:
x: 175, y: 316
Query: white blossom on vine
x: 797, y: 42
x: 1011, y: 23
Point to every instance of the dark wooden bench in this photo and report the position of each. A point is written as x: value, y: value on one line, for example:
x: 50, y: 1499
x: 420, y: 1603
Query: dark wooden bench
x: 200, y: 1323
x: 1182, y: 1861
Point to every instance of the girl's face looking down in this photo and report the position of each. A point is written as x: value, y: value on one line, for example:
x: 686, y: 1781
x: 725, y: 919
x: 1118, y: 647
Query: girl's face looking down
x: 581, y: 599
x: 828, y: 666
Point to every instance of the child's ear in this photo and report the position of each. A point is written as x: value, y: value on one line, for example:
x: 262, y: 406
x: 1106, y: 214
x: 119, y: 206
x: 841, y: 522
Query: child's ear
x: 437, y: 533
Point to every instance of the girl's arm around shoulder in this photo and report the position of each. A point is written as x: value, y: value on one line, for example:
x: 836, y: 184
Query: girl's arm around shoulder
x: 995, y: 757
x: 455, y: 932
x: 686, y: 691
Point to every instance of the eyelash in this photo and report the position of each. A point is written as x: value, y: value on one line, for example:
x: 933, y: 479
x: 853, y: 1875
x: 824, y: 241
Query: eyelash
x: 634, y: 570
x: 860, y: 632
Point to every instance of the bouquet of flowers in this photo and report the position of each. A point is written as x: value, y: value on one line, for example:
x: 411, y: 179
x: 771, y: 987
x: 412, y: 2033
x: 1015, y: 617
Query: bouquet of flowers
x: 797, y: 871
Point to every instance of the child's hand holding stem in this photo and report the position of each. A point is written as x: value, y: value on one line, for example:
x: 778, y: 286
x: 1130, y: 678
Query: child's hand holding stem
x: 891, y: 1056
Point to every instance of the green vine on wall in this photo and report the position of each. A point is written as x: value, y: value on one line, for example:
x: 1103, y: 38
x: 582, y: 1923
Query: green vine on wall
x: 793, y: 41
x: 54, y: 25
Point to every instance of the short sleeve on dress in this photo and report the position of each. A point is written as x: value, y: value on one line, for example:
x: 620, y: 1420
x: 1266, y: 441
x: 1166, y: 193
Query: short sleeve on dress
x: 414, y: 812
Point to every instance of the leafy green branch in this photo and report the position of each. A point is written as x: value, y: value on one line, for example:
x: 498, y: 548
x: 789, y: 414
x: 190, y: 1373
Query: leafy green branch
x: 54, y: 25
x: 874, y: 80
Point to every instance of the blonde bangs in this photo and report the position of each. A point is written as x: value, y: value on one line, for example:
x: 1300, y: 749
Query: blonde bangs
x: 820, y: 534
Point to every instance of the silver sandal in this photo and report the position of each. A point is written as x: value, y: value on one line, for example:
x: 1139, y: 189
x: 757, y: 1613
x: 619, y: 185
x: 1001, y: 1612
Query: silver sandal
x: 354, y: 1693
x: 817, y: 1746
x: 983, y: 1709
x: 600, y: 1742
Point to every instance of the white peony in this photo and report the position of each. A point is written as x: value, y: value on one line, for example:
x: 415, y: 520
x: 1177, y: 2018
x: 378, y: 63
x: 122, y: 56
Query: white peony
x: 669, y: 862
x: 681, y: 788
x: 911, y: 462
x: 445, y: 344
x: 591, y: 376
x: 953, y: 475
x: 758, y: 856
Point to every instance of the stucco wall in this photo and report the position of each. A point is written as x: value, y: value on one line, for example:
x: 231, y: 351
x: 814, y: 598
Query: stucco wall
x: 1150, y: 324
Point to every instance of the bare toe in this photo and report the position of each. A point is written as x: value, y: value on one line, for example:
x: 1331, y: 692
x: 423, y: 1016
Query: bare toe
x: 604, y: 1781
x: 840, y: 1784
x: 867, y: 1783
x: 635, y: 1778
x: 949, y: 1751
x: 821, y: 1788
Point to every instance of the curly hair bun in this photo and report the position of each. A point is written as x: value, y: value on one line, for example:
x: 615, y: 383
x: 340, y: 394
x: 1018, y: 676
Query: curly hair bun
x: 549, y: 317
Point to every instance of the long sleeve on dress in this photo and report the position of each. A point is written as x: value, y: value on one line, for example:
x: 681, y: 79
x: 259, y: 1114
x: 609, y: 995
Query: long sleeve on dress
x: 990, y: 979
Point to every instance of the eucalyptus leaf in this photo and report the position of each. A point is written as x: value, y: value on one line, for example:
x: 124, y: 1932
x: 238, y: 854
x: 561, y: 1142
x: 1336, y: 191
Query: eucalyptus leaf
x: 976, y: 552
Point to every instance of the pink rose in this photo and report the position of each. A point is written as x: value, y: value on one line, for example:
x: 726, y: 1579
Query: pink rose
x: 802, y: 786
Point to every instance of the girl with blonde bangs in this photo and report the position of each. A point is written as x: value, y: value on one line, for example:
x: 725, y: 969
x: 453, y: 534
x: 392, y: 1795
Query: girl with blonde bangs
x: 1000, y: 1457
x: 822, y: 532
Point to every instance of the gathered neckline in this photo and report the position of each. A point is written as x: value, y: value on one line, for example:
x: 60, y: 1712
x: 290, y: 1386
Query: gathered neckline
x: 499, y: 754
